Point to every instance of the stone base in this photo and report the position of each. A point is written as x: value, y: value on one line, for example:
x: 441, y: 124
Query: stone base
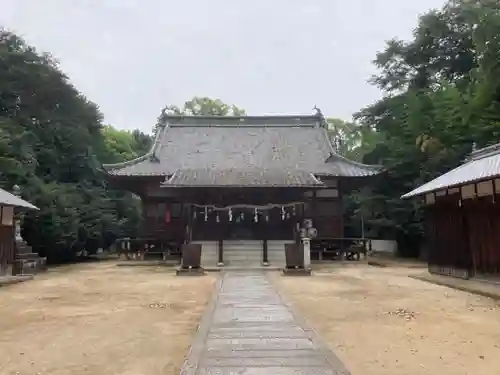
x: 296, y: 272
x: 190, y: 271
x: 8, y: 280
x: 147, y: 263
x: 30, y: 266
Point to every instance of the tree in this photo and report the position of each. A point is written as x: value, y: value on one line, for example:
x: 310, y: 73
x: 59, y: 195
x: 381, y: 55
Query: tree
x: 121, y: 145
x: 52, y: 143
x: 350, y: 139
x: 200, y: 106
x: 442, y: 96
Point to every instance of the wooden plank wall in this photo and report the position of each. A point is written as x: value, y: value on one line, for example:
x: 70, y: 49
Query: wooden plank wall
x: 484, y: 234
x: 6, y: 243
x: 464, y: 237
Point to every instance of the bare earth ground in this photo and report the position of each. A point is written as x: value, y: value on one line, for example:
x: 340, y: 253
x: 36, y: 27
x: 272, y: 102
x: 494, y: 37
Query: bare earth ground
x: 99, y: 319
x: 358, y: 311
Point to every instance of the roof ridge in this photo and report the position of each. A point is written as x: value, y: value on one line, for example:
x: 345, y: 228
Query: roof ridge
x: 484, y: 152
x: 313, y: 116
x: 229, y: 125
x: 245, y: 121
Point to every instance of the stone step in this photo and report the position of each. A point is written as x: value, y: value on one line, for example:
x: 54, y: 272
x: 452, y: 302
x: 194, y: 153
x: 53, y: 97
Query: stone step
x: 244, y: 253
x: 28, y: 256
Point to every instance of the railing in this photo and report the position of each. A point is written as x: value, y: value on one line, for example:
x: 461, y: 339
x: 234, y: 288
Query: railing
x: 140, y: 248
x: 333, y: 248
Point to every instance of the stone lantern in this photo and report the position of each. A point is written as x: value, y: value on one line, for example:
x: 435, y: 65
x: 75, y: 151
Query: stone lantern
x: 16, y: 190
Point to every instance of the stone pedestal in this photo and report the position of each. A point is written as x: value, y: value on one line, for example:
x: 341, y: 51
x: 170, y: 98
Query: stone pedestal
x: 307, y: 252
x: 27, y: 262
x: 297, y: 272
x: 190, y: 271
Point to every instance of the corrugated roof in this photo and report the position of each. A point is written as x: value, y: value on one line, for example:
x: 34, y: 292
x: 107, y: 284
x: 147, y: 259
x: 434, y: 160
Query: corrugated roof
x: 291, y: 143
x: 8, y: 199
x: 482, y: 164
x: 242, y: 178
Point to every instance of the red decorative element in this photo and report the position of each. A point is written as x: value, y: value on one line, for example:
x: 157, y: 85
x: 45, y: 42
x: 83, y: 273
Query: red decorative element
x: 168, y: 217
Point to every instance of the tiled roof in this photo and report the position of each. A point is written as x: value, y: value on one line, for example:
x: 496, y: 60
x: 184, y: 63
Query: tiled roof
x: 242, y: 178
x: 247, y: 143
x: 482, y: 164
x: 8, y: 199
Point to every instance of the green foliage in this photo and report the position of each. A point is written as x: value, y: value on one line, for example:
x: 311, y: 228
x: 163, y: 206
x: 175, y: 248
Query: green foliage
x: 200, y: 106
x: 443, y: 91
x: 52, y: 143
x: 122, y: 145
x: 350, y: 139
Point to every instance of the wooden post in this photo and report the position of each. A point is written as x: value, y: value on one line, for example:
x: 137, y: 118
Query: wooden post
x: 190, y: 224
x: 221, y: 253
x: 265, y: 257
x: 307, y: 252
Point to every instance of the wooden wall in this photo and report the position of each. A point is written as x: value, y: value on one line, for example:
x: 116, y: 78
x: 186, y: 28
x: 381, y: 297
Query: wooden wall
x: 464, y: 236
x: 324, y: 208
x: 7, y: 229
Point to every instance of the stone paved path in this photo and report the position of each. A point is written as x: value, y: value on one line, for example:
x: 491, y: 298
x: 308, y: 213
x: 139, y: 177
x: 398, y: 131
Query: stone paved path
x: 249, y: 330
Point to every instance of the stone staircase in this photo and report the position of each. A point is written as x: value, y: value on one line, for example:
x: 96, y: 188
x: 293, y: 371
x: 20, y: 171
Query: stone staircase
x: 243, y: 253
x: 209, y: 253
x: 276, y: 252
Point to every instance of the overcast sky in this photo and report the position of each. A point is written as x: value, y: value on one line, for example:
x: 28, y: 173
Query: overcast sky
x: 132, y: 57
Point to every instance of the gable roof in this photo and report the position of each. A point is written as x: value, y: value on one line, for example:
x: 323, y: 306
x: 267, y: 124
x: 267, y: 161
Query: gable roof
x: 294, y: 144
x: 482, y: 164
x: 8, y: 199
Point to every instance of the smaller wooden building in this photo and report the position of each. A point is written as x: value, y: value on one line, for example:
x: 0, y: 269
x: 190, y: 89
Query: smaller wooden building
x: 462, y: 217
x: 8, y: 203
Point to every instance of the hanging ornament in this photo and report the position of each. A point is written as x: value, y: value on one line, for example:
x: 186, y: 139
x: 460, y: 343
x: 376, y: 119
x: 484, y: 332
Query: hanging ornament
x: 282, y: 213
x: 242, y: 216
x: 230, y: 215
x: 206, y: 214
x: 256, y: 216
x: 194, y: 214
x: 288, y: 215
x: 294, y: 212
x: 267, y: 217
x: 217, y: 218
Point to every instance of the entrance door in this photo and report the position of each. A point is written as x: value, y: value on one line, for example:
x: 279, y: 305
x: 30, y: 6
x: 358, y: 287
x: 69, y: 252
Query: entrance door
x: 242, y: 227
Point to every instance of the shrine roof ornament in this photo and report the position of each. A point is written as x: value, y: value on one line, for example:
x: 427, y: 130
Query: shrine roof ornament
x: 297, y: 145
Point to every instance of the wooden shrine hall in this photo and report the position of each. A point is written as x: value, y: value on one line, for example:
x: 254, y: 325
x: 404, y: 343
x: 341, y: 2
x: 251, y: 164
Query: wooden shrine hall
x: 240, y: 186
x: 462, y: 217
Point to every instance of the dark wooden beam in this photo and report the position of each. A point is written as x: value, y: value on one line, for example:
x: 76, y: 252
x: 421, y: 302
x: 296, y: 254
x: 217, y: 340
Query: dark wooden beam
x: 221, y: 252
x: 264, y: 252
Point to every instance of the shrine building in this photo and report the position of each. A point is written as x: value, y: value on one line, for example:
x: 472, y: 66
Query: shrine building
x: 240, y: 185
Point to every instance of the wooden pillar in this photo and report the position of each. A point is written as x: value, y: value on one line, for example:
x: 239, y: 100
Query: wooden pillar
x: 265, y: 257
x: 221, y: 253
x: 144, y: 225
x: 341, y: 206
x: 189, y: 224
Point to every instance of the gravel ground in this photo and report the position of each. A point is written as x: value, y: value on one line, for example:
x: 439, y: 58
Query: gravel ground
x: 100, y: 319
x: 379, y: 321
